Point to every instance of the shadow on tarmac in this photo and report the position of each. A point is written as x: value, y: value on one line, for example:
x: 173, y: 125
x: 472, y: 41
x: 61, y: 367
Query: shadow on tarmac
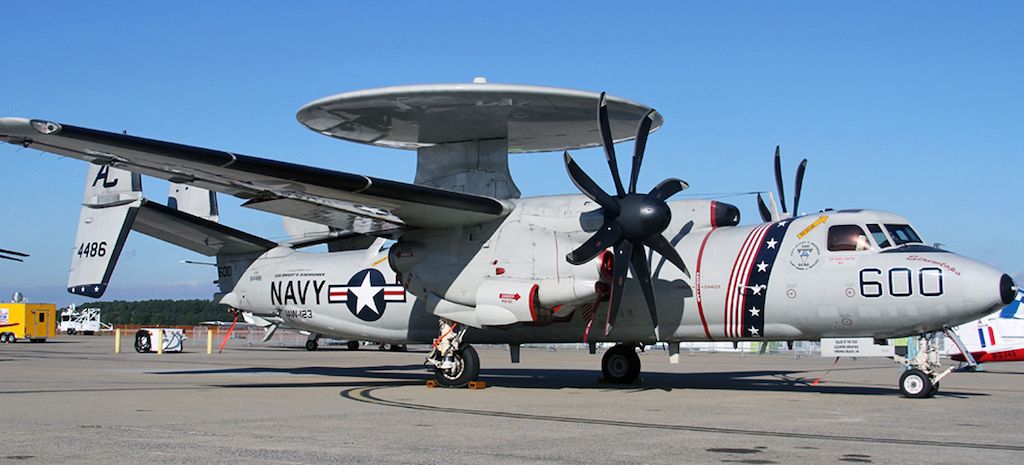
x: 399, y: 375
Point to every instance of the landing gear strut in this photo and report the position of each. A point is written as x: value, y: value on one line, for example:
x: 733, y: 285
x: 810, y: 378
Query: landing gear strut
x: 456, y: 364
x: 621, y: 364
x: 921, y: 379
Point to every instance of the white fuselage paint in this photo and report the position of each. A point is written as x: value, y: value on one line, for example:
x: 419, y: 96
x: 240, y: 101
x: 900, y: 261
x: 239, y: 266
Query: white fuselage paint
x: 811, y: 292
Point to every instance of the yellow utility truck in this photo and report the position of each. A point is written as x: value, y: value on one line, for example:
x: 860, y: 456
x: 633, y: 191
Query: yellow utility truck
x: 34, y: 322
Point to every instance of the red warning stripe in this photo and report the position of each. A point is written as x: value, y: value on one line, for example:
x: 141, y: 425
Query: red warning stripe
x: 700, y: 304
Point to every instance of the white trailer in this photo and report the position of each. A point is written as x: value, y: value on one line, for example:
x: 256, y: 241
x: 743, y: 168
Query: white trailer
x: 74, y: 320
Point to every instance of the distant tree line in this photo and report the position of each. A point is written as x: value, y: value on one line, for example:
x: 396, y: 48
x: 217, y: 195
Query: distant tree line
x: 160, y: 312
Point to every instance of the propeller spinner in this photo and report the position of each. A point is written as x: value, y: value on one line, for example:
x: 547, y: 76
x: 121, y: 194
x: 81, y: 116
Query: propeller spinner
x: 631, y: 220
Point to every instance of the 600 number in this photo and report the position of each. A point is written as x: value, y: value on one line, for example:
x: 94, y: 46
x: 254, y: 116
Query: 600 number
x: 901, y: 282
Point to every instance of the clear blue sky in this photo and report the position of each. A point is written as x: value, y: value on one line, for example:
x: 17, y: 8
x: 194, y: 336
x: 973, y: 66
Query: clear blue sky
x: 911, y: 107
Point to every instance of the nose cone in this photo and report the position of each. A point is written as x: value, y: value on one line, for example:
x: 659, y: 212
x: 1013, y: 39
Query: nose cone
x: 1007, y: 289
x: 985, y: 289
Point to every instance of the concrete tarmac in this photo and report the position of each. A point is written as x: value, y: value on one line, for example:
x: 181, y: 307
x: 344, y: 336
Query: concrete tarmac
x: 72, y: 400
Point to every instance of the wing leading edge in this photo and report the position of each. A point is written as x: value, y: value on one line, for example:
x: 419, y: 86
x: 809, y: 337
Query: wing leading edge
x: 353, y: 202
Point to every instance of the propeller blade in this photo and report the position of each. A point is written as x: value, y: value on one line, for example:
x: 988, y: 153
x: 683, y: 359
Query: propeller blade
x: 608, y: 235
x: 642, y: 131
x: 642, y: 273
x: 11, y: 252
x: 620, y: 265
x: 11, y: 258
x: 799, y: 185
x: 665, y: 249
x: 668, y: 188
x: 590, y: 188
x: 609, y: 144
x: 766, y: 214
x: 778, y: 179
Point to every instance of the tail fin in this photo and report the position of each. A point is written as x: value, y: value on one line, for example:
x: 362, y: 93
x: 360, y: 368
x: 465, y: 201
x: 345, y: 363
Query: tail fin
x: 195, y: 201
x: 114, y: 205
x: 1014, y: 309
x: 109, y: 205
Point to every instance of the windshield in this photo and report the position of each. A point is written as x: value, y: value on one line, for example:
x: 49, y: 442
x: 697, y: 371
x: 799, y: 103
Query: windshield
x: 903, y: 234
x: 880, y: 239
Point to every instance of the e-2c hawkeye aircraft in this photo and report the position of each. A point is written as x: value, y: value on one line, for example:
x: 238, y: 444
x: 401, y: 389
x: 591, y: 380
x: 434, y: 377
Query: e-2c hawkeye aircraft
x: 474, y: 262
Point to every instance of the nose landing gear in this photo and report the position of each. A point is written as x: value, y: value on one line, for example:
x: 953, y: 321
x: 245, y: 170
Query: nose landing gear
x: 921, y: 379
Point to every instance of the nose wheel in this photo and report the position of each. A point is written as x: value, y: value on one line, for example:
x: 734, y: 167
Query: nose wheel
x: 621, y: 364
x: 921, y: 378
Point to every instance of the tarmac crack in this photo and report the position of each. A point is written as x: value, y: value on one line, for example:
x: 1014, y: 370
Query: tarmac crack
x: 365, y: 395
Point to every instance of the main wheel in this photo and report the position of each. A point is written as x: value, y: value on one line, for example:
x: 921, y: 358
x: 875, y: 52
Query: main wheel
x: 353, y: 345
x: 466, y: 369
x: 142, y: 341
x: 71, y: 331
x: 399, y: 348
x: 311, y: 345
x: 915, y: 384
x: 4, y: 338
x: 621, y: 364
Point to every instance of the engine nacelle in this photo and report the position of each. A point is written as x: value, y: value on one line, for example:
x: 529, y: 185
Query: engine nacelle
x: 553, y: 293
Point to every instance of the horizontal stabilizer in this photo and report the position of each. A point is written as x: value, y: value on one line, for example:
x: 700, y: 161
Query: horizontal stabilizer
x: 196, y: 234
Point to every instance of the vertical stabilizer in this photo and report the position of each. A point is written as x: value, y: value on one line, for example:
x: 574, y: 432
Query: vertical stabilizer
x: 109, y: 205
x: 1014, y: 310
x: 195, y: 201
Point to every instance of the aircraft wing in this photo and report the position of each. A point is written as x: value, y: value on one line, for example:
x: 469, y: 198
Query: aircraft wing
x: 343, y: 200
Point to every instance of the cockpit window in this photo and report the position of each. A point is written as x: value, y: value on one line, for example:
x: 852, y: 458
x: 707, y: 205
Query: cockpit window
x: 903, y: 234
x: 847, y: 237
x: 879, y: 235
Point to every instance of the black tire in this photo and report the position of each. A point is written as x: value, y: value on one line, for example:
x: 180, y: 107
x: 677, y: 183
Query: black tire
x: 3, y: 338
x: 621, y: 364
x: 143, y: 343
x: 12, y: 338
x: 915, y: 384
x: 71, y: 331
x: 87, y: 333
x: 399, y: 348
x: 935, y: 389
x: 312, y: 345
x: 467, y: 368
x: 353, y: 345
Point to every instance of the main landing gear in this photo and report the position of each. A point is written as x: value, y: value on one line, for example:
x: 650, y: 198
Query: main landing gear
x: 621, y: 364
x: 313, y: 342
x: 456, y: 364
x: 921, y: 379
